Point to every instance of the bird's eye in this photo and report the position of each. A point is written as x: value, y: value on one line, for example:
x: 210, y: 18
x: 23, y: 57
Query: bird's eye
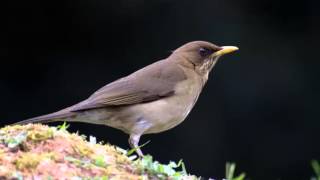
x: 204, y: 52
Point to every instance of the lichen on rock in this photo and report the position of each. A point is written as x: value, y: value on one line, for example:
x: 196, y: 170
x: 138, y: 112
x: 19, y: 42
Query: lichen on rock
x: 36, y: 151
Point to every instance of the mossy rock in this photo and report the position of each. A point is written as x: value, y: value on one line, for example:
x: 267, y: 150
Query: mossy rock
x: 36, y: 151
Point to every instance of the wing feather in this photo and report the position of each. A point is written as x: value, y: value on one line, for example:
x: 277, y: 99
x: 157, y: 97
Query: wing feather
x: 148, y: 84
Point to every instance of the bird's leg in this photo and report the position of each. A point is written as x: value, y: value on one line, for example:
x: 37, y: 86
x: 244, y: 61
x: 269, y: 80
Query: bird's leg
x: 134, y: 143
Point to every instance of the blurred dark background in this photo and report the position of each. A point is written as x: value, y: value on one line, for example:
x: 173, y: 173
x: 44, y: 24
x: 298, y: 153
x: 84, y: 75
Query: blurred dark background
x: 259, y: 108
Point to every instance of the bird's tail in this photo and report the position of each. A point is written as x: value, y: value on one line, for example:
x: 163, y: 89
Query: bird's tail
x: 62, y: 115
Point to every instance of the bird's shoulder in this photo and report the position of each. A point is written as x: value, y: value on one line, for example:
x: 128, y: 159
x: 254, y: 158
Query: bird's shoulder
x: 161, y: 70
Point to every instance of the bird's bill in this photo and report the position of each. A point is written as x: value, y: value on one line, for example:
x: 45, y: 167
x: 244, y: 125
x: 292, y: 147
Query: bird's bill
x: 225, y: 50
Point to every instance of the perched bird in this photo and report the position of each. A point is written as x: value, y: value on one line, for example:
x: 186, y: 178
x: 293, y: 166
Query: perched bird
x: 153, y: 99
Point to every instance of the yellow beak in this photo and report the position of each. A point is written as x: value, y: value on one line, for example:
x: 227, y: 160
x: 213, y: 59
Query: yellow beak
x: 225, y: 50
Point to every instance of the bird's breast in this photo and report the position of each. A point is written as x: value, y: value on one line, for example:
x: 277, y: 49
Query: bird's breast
x: 168, y: 112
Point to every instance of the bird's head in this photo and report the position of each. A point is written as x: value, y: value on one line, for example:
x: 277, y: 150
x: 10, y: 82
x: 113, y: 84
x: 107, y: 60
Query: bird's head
x: 202, y: 55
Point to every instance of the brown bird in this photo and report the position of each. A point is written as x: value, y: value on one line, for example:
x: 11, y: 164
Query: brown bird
x: 153, y: 99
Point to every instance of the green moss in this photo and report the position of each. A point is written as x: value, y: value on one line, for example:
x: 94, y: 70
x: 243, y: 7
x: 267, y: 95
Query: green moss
x: 98, y: 160
x: 83, y: 163
x: 82, y: 149
x: 172, y: 170
x: 40, y: 135
x: 31, y: 160
x: 14, y: 140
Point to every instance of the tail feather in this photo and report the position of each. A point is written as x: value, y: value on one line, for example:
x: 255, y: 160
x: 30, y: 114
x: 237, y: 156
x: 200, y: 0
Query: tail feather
x: 57, y: 116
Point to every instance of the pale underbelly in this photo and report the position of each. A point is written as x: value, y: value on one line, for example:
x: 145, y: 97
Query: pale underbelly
x: 165, y: 114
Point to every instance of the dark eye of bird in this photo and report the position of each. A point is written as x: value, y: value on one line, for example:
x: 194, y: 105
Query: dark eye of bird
x: 204, y: 52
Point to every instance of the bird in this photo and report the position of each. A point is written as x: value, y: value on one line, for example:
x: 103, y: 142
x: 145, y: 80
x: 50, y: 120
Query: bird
x: 151, y: 100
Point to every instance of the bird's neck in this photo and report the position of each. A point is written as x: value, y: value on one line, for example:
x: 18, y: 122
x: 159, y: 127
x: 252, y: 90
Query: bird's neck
x: 193, y: 73
x: 182, y: 60
x: 201, y: 71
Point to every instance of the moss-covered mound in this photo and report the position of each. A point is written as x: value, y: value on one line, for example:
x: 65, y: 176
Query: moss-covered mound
x: 37, y: 151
